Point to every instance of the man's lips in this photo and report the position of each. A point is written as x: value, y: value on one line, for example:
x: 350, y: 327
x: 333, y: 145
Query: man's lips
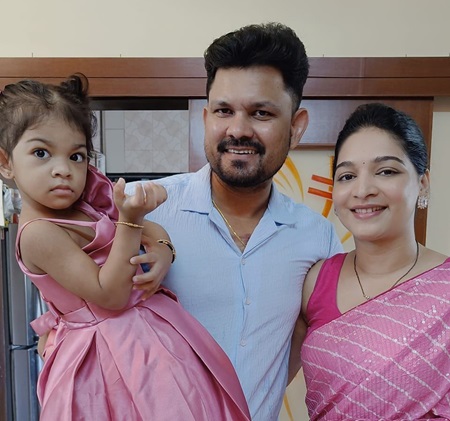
x: 241, y: 151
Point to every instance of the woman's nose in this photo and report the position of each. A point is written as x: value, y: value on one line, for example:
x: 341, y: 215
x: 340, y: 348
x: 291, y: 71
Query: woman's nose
x: 364, y: 186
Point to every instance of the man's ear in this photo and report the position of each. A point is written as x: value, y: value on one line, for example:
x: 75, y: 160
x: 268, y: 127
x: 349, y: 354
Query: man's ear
x: 5, y: 169
x: 299, y: 124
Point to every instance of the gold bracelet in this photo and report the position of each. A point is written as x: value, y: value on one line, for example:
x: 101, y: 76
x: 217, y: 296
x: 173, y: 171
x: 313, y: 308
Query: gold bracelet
x: 128, y: 224
x: 170, y: 245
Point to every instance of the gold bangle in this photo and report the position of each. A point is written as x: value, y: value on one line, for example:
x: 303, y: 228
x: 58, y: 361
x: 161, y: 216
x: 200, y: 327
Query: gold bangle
x: 128, y: 224
x: 170, y: 245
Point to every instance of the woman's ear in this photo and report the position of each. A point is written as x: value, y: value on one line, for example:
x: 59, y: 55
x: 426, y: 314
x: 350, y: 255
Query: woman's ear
x: 425, y: 183
x: 5, y: 168
x: 299, y: 124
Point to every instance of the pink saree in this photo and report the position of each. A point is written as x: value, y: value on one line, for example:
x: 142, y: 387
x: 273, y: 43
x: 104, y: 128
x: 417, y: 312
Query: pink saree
x: 387, y: 359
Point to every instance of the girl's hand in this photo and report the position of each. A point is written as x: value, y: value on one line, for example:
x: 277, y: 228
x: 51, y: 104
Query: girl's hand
x: 147, y: 197
x: 159, y: 258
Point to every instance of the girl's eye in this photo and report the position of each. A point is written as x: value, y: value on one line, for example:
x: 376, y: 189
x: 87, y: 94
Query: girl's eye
x: 41, y: 153
x: 78, y: 157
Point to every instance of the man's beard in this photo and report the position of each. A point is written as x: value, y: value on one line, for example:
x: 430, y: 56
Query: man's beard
x: 240, y: 176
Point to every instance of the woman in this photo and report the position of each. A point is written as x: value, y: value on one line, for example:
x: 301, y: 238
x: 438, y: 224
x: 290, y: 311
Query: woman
x: 378, y: 338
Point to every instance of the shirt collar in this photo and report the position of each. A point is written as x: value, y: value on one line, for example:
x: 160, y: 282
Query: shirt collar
x: 197, y: 198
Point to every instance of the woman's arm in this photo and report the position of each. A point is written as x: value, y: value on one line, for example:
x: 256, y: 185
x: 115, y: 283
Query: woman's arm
x: 301, y: 325
x: 295, y: 362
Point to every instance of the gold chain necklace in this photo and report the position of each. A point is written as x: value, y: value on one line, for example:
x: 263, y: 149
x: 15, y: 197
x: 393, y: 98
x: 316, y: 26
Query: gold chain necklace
x: 244, y: 244
x: 395, y: 283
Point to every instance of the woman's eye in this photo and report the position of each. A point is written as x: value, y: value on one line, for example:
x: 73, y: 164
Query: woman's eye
x: 78, y: 157
x: 387, y: 172
x: 345, y: 177
x: 41, y: 153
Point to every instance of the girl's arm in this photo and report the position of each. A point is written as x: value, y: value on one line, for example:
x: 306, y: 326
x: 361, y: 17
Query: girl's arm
x: 49, y: 248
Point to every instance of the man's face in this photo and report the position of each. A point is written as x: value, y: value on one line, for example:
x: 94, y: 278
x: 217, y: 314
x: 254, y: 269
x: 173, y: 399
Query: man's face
x: 248, y: 125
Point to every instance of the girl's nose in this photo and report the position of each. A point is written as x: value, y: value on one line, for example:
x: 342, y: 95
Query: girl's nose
x: 61, y: 170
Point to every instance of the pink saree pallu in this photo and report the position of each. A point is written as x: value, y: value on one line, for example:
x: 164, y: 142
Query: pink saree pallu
x: 387, y: 359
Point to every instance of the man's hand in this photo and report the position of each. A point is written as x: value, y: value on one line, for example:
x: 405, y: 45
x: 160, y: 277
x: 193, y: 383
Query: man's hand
x: 159, y: 258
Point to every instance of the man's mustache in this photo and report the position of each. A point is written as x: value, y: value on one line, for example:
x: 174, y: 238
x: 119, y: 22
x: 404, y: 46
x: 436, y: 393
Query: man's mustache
x: 243, y: 142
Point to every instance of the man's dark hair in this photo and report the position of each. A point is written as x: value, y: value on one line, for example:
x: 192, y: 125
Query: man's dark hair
x: 271, y: 44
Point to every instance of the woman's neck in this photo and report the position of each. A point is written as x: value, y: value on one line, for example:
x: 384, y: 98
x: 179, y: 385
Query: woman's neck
x: 379, y: 258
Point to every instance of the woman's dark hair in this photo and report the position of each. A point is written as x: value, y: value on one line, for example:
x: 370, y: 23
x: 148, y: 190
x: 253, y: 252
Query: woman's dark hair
x: 27, y: 103
x: 271, y: 44
x: 398, y: 124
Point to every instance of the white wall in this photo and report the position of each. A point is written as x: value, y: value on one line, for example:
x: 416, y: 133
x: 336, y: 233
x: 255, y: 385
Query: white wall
x: 181, y: 28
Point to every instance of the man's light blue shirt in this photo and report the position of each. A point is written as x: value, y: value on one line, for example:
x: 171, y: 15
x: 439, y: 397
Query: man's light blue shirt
x: 248, y: 301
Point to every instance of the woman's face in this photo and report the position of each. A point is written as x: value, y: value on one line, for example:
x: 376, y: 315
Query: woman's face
x: 376, y: 186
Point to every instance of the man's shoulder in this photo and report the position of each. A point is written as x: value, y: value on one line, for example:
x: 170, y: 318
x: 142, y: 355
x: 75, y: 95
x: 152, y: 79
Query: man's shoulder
x: 169, y: 182
x: 175, y: 180
x: 300, y: 210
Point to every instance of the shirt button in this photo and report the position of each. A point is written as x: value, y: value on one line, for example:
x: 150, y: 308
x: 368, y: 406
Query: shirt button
x: 248, y: 301
x: 243, y: 261
x: 243, y: 342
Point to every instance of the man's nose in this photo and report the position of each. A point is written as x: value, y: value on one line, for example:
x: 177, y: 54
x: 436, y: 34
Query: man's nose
x: 240, y: 126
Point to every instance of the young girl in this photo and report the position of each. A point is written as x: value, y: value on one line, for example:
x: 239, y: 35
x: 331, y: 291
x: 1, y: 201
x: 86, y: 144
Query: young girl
x: 116, y: 356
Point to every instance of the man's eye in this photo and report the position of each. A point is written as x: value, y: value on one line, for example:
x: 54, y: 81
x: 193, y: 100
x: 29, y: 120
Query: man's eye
x: 223, y: 111
x: 261, y: 113
x: 41, y: 153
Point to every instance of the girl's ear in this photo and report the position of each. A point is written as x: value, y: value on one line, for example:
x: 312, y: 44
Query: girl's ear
x: 5, y: 169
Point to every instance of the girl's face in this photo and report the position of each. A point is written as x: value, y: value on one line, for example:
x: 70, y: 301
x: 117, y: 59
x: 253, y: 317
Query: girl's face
x: 376, y: 186
x: 49, y: 165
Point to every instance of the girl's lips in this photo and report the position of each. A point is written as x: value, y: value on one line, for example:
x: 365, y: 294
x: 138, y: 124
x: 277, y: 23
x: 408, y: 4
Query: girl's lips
x: 62, y: 190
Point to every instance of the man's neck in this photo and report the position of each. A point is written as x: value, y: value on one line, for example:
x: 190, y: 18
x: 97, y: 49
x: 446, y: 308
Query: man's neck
x: 239, y: 201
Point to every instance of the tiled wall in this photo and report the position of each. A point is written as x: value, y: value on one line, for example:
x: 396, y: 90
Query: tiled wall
x: 146, y: 141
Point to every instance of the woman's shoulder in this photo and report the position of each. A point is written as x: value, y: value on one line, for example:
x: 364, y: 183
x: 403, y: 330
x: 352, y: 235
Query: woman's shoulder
x: 431, y: 258
x: 314, y: 273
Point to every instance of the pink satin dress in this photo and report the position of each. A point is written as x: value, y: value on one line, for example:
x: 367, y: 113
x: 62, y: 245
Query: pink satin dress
x: 149, y: 361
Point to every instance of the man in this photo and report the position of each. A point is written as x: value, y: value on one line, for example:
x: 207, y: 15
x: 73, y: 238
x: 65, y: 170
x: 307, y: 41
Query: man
x: 243, y: 248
